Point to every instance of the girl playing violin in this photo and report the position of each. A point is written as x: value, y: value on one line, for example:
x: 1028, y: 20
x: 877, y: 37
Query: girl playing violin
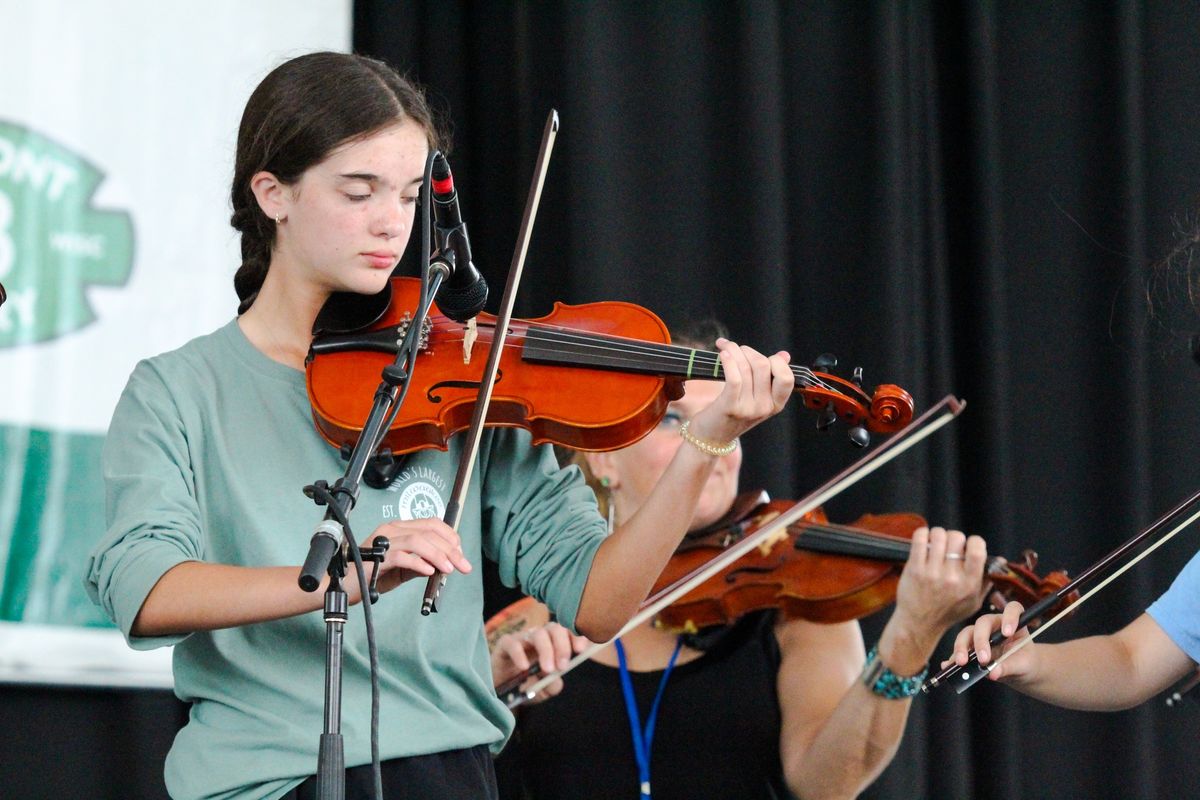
x: 765, y: 707
x: 210, y: 445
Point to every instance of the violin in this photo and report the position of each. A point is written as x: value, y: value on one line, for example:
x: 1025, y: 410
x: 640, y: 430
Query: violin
x: 813, y: 570
x: 549, y: 378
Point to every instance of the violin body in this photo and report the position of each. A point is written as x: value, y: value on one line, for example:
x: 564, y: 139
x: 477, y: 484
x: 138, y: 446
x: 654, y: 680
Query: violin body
x: 784, y: 574
x: 593, y: 377
x: 554, y: 403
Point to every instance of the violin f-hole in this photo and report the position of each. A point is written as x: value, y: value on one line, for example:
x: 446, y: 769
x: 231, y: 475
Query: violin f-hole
x: 435, y: 398
x: 760, y: 570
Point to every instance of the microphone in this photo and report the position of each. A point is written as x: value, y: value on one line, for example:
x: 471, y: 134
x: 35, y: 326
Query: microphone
x: 464, y: 293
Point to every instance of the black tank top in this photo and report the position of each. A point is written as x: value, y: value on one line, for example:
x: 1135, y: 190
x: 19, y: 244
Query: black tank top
x: 717, y: 733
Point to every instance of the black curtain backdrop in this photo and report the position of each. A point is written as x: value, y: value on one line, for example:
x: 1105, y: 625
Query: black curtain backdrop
x: 959, y: 198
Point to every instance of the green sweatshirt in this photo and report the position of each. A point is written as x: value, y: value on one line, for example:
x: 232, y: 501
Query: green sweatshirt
x: 208, y: 451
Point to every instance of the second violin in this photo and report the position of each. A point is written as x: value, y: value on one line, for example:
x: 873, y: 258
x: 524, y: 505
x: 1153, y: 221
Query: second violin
x: 815, y: 569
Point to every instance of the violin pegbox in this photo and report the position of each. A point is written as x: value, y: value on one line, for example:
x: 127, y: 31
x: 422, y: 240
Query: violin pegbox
x: 827, y: 415
x: 859, y: 436
x: 835, y: 398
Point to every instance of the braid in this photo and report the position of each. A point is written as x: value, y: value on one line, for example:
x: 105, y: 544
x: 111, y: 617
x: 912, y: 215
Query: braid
x: 258, y: 234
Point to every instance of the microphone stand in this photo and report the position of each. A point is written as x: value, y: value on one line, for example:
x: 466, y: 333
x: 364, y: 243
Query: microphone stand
x: 333, y: 540
x: 329, y: 545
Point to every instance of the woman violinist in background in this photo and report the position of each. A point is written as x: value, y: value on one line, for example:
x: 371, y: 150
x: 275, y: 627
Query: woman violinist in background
x: 210, y: 444
x: 762, y: 708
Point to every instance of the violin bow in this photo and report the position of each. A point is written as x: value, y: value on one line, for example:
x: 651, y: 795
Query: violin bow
x: 971, y: 673
x: 934, y: 418
x: 466, y: 463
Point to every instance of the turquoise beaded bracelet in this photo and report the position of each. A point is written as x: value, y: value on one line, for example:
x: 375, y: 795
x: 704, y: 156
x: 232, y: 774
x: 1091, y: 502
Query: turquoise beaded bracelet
x: 885, y: 683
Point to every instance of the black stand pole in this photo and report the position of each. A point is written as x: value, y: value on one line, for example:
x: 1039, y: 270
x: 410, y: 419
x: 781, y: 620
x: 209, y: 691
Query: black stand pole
x: 332, y: 538
x: 331, y: 756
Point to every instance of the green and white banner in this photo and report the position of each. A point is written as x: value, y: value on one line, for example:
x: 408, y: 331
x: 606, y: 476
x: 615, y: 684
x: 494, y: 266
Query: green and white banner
x: 117, y: 128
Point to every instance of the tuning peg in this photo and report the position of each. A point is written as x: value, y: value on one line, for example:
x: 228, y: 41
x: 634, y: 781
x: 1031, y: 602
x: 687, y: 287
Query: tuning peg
x: 825, y: 360
x: 856, y: 377
x: 826, y: 418
x: 859, y: 436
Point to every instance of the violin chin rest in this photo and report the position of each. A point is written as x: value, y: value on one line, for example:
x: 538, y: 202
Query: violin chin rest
x: 345, y: 312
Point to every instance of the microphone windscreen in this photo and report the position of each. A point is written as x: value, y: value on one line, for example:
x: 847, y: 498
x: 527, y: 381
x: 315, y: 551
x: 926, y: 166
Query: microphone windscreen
x: 460, y: 303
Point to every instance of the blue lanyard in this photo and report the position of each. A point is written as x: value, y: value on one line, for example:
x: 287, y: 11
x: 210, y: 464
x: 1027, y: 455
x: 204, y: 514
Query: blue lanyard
x: 643, y: 739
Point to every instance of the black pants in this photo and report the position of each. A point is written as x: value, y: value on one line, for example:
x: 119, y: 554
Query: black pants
x: 454, y: 774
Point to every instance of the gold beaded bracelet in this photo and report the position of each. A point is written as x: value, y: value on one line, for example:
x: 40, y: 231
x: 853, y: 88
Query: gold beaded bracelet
x: 706, y: 447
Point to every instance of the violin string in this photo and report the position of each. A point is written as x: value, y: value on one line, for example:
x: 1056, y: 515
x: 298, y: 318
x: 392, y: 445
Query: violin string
x: 668, y: 352
x: 664, y: 352
x: 604, y: 343
x: 844, y: 539
x: 804, y: 377
x: 702, y: 362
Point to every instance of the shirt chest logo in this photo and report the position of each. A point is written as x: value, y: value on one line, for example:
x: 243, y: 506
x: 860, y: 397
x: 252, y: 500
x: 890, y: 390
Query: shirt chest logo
x: 420, y: 501
x: 420, y: 490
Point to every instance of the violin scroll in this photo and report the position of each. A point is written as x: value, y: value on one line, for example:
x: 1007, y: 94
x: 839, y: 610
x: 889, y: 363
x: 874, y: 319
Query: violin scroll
x: 1018, y: 580
x: 886, y: 410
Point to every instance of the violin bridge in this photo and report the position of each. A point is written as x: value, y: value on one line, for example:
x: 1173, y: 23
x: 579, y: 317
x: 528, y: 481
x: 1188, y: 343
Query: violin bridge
x: 470, y: 334
x: 768, y: 544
